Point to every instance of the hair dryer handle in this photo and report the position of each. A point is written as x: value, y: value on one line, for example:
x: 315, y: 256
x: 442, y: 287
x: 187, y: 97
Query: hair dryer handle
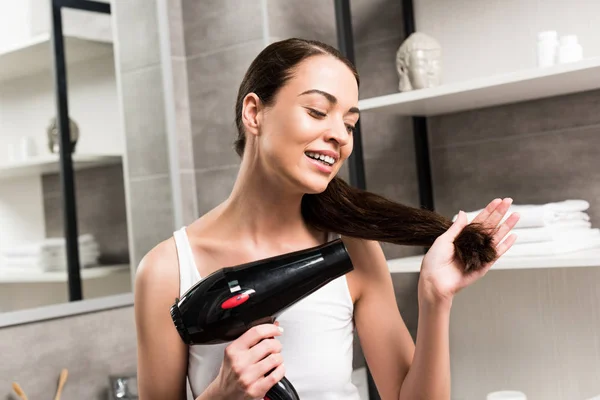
x: 282, y: 390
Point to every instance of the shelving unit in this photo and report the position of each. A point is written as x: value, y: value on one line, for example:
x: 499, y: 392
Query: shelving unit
x: 587, y: 258
x: 47, y: 164
x: 496, y: 90
x: 502, y: 89
x: 61, y: 276
x: 34, y: 56
x: 491, y: 91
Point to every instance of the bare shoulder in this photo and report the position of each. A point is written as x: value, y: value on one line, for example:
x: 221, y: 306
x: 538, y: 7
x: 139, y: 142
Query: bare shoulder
x: 365, y: 254
x: 157, y: 277
x: 370, y: 264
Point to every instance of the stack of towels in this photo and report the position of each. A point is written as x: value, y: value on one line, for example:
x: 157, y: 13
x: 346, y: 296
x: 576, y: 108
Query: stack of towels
x: 551, y: 228
x: 48, y: 255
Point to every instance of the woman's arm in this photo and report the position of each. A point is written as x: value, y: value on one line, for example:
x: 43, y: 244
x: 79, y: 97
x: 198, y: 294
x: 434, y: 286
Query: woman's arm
x: 162, y: 355
x: 400, y: 369
x: 429, y: 375
x: 386, y: 343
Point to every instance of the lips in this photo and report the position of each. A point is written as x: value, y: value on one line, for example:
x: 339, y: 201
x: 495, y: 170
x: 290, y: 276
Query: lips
x: 321, y: 166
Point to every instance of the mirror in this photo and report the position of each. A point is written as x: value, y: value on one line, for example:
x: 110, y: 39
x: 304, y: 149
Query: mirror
x: 33, y: 244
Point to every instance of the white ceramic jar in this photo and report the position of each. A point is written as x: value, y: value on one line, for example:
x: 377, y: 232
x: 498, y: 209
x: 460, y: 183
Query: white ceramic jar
x: 547, y: 48
x: 569, y: 50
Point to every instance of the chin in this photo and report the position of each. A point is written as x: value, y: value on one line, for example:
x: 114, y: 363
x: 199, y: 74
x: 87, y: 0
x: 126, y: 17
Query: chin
x: 316, y: 185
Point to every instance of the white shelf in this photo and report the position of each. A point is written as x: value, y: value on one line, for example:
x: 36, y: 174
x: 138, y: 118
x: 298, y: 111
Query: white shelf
x: 587, y: 258
x: 61, y: 276
x: 515, y: 87
x: 35, y: 55
x: 50, y: 164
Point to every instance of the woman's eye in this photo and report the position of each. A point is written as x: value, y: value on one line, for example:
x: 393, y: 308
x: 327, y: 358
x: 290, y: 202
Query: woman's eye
x: 350, y: 128
x: 315, y: 113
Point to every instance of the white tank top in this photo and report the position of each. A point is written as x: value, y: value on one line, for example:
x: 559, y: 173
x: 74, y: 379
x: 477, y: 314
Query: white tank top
x: 316, y: 342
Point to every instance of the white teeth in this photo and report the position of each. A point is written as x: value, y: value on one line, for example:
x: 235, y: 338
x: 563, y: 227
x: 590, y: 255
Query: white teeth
x: 329, y: 160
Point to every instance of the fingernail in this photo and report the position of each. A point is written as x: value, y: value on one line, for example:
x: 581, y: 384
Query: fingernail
x: 280, y: 329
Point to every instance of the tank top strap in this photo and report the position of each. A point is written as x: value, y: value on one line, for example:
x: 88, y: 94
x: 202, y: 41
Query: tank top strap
x: 188, y: 272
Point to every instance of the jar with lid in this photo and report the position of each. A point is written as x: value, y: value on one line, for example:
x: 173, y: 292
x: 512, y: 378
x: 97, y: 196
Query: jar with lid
x: 547, y: 48
x: 570, y: 50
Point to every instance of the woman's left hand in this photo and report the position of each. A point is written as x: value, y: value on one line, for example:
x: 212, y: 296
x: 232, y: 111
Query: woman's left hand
x: 442, y: 275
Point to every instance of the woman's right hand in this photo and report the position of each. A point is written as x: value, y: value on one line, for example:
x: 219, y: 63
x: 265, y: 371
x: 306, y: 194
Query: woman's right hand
x: 246, y: 362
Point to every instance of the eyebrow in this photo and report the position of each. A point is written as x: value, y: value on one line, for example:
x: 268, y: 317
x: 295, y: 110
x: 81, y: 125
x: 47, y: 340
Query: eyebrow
x: 332, y: 99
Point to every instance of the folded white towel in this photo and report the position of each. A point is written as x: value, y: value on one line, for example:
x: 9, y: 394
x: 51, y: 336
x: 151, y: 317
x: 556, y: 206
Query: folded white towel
x: 85, y: 256
x: 50, y: 245
x: 567, y: 244
x: 532, y: 215
x: 549, y: 233
x: 48, y: 262
x: 32, y: 266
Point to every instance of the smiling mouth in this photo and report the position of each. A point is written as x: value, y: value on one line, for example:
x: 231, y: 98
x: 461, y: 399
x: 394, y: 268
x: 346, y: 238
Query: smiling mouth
x: 326, y: 160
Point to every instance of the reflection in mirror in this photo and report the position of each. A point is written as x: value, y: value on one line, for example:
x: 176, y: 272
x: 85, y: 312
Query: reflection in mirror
x: 33, y: 256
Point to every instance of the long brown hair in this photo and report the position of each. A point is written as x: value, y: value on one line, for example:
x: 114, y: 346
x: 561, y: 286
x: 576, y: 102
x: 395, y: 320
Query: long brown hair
x: 342, y: 208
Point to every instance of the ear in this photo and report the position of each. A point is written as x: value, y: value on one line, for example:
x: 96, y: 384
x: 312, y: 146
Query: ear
x: 252, y: 113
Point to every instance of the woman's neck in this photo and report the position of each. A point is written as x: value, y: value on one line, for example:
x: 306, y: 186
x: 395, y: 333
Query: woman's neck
x: 260, y: 209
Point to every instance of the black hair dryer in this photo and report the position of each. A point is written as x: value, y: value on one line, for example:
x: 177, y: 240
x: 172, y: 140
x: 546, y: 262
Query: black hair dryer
x: 228, y: 302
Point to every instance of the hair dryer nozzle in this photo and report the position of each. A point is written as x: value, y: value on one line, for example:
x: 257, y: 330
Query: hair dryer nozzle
x: 230, y: 301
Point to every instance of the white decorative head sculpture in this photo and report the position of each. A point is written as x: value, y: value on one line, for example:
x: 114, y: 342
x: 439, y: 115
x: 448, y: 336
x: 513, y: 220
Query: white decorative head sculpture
x: 419, y: 62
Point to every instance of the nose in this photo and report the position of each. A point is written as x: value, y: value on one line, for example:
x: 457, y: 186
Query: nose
x: 338, y: 133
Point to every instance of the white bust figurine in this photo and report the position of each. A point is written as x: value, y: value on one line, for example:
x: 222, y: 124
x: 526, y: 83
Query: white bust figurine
x: 419, y: 62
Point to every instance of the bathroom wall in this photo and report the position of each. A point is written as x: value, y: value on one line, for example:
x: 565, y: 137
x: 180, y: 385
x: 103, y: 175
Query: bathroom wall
x: 144, y: 114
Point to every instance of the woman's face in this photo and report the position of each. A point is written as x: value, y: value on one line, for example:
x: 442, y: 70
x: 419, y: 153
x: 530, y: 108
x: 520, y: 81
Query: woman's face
x: 306, y: 135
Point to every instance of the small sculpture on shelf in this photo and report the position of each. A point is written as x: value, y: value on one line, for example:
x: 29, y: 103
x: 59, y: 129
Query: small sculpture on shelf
x: 54, y: 138
x: 419, y: 62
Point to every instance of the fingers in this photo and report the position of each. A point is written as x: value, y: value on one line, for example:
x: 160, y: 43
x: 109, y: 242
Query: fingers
x: 263, y: 385
x: 487, y: 211
x: 496, y: 216
x: 504, y: 246
x: 263, y: 367
x: 505, y: 228
x: 254, y: 335
x: 263, y: 349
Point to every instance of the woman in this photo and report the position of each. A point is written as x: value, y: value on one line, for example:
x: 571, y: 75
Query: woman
x: 295, y: 113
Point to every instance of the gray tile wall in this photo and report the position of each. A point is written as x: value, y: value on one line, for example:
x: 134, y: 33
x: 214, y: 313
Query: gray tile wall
x: 91, y: 347
x: 536, y: 152
x: 101, y: 210
x: 144, y: 111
